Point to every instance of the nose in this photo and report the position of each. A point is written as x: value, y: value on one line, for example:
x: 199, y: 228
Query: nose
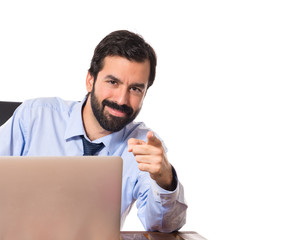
x: 122, y: 97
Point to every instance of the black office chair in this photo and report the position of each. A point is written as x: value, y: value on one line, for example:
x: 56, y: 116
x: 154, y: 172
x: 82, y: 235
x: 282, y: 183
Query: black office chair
x: 6, y: 110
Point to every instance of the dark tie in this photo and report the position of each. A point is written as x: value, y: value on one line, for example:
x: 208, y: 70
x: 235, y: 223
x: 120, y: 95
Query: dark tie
x: 91, y: 149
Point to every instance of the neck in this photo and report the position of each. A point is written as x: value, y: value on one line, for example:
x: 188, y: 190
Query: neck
x: 91, y: 125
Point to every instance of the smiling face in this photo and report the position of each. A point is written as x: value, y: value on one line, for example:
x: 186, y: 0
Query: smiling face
x: 117, y: 95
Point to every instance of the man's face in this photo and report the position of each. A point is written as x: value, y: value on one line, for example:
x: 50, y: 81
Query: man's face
x: 118, y: 92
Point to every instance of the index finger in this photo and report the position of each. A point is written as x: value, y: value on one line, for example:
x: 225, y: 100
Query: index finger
x: 152, y: 139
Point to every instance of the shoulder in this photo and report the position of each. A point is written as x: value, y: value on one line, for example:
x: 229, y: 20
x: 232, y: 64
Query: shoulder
x: 44, y: 108
x: 52, y: 104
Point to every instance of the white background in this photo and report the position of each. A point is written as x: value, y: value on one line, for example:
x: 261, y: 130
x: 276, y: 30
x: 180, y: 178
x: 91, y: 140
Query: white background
x: 221, y: 100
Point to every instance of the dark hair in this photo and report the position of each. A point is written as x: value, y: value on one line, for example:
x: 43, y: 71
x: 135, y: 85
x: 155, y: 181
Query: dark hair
x: 124, y: 44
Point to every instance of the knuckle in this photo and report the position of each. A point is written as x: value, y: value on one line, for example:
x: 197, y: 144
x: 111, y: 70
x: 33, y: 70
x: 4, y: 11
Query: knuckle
x: 159, y: 161
x: 157, y: 169
x: 160, y: 152
x: 141, y: 166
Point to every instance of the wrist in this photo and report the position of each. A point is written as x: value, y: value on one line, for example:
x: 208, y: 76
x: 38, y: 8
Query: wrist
x: 169, y: 184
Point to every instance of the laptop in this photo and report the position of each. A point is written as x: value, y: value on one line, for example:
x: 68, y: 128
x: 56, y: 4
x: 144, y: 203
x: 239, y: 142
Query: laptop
x: 60, y: 198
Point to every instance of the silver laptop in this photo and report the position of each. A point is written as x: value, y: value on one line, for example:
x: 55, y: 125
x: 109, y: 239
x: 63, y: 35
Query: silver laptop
x: 60, y: 198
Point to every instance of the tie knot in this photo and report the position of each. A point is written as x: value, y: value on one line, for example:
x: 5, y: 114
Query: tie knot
x: 90, y: 148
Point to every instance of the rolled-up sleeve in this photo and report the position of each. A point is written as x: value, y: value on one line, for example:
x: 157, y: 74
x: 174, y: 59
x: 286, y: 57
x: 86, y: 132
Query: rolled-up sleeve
x: 159, y: 209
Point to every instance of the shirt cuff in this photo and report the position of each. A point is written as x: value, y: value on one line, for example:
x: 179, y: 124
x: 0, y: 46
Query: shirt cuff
x: 162, y: 195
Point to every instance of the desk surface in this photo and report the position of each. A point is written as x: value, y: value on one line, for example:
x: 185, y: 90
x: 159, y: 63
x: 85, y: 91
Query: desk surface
x: 160, y: 236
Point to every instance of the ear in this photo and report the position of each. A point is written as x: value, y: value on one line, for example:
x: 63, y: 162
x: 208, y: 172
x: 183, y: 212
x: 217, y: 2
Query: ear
x: 89, y: 82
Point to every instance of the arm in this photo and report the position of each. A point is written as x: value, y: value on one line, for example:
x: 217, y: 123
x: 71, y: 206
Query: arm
x: 160, y: 197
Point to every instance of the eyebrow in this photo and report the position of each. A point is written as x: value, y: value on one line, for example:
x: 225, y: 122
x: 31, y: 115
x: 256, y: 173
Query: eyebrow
x: 139, y: 85
x: 111, y: 77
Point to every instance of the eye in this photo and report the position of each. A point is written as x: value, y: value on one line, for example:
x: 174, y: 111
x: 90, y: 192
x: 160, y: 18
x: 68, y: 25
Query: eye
x: 136, y: 90
x: 112, y: 82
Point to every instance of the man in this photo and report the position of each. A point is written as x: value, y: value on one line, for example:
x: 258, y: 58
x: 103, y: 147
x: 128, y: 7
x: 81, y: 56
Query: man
x: 122, y: 69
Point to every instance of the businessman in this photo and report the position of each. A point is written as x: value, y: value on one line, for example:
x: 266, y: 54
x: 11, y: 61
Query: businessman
x: 122, y: 70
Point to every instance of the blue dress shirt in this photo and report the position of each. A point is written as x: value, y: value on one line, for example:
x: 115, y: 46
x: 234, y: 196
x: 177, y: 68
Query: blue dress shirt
x: 54, y: 127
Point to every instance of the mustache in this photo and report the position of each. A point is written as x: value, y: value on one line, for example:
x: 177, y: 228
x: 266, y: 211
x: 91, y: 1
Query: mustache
x: 123, y: 108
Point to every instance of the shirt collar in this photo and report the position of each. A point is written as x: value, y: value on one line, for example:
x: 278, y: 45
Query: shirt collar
x: 112, y: 141
x: 75, y: 128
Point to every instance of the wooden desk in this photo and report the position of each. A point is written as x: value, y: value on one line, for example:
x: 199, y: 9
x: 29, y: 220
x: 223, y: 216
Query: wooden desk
x: 160, y: 236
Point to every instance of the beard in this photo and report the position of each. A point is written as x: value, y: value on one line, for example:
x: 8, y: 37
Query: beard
x: 107, y: 121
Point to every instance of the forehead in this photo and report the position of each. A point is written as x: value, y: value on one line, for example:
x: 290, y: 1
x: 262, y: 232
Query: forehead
x: 125, y: 69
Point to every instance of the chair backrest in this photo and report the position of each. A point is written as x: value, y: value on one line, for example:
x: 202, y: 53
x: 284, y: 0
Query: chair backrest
x: 6, y: 110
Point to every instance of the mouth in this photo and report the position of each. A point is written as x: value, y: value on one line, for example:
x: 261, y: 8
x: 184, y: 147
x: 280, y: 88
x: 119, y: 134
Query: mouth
x: 115, y: 112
